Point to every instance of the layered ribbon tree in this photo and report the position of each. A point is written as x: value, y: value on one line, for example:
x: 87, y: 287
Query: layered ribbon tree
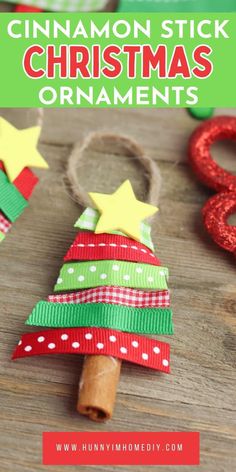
x: 111, y: 289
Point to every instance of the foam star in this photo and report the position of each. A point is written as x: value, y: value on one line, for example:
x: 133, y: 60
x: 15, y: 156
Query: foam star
x: 18, y: 149
x: 121, y: 211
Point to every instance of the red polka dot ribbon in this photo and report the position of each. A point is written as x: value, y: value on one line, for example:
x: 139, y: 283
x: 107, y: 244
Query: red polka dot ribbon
x: 218, y: 209
x: 94, y: 341
x: 117, y: 295
x: 89, y: 246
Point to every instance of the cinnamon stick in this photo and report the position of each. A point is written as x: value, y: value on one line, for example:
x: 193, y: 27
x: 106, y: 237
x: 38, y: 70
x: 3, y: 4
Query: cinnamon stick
x: 97, y: 388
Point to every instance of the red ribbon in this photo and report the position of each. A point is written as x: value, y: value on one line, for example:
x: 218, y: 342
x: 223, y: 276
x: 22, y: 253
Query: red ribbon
x: 96, y: 341
x: 26, y: 9
x: 90, y: 247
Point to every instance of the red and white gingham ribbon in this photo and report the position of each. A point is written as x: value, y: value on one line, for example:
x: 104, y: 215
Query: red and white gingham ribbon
x: 117, y: 296
x: 5, y: 225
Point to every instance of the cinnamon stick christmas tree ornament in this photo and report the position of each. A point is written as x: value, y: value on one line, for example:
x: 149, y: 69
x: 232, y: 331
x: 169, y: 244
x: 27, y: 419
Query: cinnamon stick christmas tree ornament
x: 18, y: 152
x: 111, y: 291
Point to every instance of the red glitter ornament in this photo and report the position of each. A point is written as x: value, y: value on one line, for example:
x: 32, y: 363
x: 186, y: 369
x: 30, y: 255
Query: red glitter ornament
x: 215, y: 215
x: 218, y: 209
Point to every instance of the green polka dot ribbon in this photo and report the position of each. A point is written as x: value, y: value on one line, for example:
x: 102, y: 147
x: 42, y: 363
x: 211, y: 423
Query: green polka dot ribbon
x: 101, y: 315
x: 89, y: 219
x: 80, y: 275
x: 12, y: 204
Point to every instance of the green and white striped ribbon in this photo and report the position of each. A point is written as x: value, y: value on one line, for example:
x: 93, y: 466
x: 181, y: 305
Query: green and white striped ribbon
x: 89, y: 219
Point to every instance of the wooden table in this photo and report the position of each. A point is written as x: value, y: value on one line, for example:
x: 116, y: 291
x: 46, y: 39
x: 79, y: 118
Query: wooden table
x: 39, y: 394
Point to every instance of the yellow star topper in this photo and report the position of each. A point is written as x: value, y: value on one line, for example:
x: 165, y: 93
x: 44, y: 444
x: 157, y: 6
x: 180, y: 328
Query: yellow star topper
x: 121, y: 211
x: 18, y: 149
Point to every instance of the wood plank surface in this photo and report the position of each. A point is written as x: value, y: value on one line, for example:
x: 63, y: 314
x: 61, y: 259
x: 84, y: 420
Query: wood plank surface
x: 39, y: 394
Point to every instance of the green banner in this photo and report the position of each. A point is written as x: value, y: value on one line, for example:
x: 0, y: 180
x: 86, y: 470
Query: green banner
x: 115, y: 60
x: 177, y: 5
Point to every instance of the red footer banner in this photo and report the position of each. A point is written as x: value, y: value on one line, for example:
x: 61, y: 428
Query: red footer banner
x: 121, y: 448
